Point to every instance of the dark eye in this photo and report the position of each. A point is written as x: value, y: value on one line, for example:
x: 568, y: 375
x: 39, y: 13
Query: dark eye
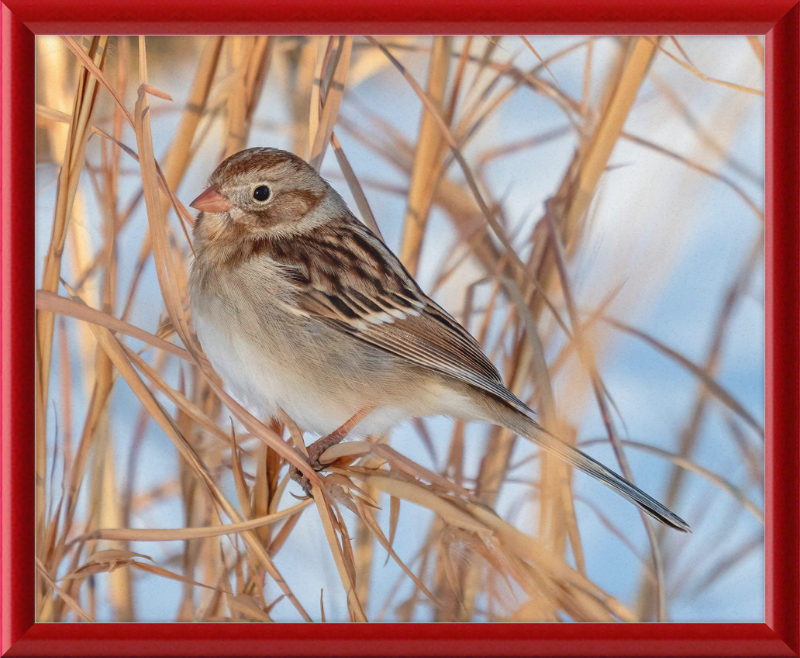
x: 261, y: 193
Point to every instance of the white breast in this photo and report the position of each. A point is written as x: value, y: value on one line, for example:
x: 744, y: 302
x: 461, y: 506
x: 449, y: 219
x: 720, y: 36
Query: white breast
x: 269, y: 357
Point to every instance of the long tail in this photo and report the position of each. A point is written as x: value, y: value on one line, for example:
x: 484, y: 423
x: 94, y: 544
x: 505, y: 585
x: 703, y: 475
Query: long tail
x: 518, y: 422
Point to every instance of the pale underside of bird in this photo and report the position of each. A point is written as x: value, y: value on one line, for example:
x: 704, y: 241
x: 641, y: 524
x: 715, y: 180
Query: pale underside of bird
x: 303, y: 311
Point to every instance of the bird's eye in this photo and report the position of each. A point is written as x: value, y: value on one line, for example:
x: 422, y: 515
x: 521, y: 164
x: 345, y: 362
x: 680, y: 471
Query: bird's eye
x: 261, y: 193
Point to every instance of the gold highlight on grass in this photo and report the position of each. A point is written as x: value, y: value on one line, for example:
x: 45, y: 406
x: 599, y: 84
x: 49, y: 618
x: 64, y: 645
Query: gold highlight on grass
x: 498, y: 533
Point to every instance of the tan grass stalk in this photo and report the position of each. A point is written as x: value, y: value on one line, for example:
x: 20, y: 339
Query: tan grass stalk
x: 120, y: 360
x: 701, y: 372
x: 372, y: 526
x: 428, y: 158
x: 705, y: 78
x: 533, y: 50
x: 754, y: 207
x: 227, y: 549
x: 45, y: 113
x: 596, y: 151
x: 245, y: 89
x: 167, y: 277
x: 690, y: 432
x: 178, y: 157
x: 455, y: 513
x: 601, y: 396
x: 70, y: 308
x: 573, y: 199
x: 329, y: 99
x: 322, y: 47
x: 587, y: 81
x: 173, y: 534
x: 70, y: 602
x: 471, y: 182
x: 718, y: 481
x: 500, y: 469
x: 355, y: 187
x: 335, y: 533
x: 186, y: 406
x: 710, y: 140
x: 69, y: 174
x: 758, y: 48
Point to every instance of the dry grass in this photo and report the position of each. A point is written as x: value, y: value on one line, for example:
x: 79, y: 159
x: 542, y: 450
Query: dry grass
x: 99, y: 368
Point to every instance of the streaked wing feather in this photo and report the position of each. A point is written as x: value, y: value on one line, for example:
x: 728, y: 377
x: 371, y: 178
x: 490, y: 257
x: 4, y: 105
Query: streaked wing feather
x: 347, y: 277
x: 411, y: 339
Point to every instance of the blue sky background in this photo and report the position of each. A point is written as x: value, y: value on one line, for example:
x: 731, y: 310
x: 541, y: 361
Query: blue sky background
x: 669, y: 240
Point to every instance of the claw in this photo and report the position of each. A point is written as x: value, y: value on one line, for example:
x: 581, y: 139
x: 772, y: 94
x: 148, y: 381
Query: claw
x: 313, y: 462
x: 302, y: 480
x: 321, y: 445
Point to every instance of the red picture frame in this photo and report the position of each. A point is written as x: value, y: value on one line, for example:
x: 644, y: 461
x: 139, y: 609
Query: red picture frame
x: 20, y: 20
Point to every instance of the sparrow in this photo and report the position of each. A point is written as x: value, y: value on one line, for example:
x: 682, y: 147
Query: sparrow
x: 304, y: 312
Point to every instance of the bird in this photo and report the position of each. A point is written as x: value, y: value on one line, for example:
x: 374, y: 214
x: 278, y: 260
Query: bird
x: 304, y: 312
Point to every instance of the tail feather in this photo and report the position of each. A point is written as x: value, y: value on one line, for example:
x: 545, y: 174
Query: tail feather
x: 518, y: 422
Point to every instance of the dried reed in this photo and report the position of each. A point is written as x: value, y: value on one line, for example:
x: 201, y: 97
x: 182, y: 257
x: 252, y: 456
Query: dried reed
x: 523, y: 303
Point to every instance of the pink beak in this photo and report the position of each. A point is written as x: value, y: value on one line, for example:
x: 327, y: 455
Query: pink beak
x: 211, y: 201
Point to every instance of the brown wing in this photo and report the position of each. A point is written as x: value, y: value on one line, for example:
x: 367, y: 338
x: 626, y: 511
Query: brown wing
x: 347, y: 277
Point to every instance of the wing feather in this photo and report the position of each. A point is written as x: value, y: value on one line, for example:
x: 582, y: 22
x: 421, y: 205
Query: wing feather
x: 345, y: 276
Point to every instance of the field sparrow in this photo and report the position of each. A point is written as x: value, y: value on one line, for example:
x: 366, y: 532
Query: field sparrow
x: 303, y: 311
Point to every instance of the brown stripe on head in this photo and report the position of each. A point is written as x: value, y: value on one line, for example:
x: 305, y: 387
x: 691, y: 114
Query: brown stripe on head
x: 257, y: 160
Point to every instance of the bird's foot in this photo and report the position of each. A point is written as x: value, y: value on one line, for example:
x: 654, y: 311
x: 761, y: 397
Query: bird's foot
x: 303, y: 481
x: 319, y: 446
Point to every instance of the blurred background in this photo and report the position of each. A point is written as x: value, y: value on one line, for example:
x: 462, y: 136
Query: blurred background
x: 626, y: 175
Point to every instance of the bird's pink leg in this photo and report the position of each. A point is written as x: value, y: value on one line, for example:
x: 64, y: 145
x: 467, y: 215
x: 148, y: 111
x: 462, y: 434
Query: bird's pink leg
x: 322, y: 444
x: 337, y: 436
